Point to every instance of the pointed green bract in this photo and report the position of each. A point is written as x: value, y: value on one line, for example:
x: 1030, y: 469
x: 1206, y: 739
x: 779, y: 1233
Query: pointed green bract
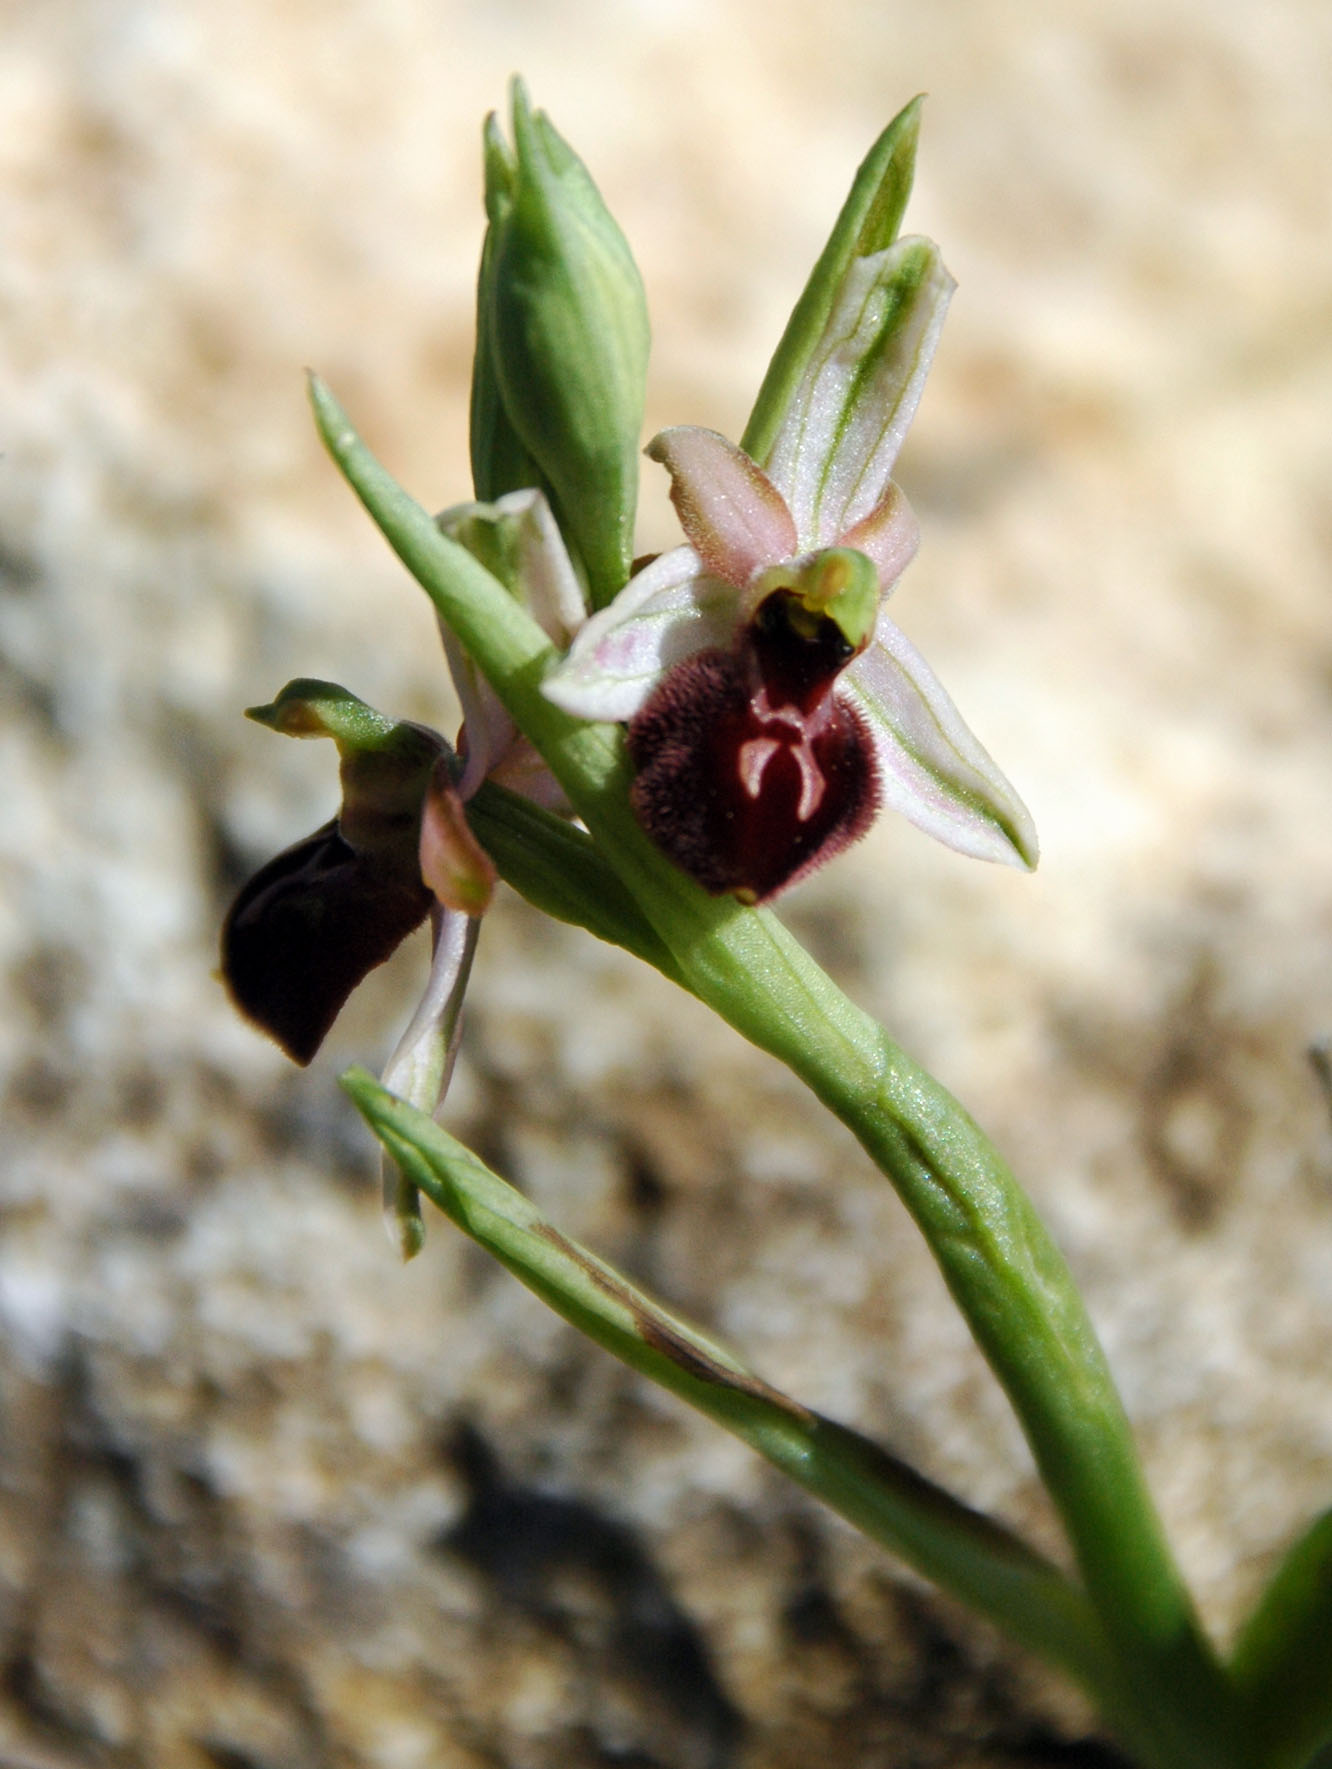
x: 964, y: 1551
x: 562, y: 347
x: 869, y: 221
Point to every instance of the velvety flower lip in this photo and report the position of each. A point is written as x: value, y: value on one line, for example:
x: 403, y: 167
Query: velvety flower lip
x: 307, y: 928
x: 750, y: 529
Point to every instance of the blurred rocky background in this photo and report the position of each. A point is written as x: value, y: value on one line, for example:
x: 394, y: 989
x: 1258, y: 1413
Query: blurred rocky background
x: 267, y: 1499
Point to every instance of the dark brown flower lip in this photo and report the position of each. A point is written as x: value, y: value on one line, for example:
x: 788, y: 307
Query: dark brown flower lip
x: 751, y: 771
x: 308, y: 927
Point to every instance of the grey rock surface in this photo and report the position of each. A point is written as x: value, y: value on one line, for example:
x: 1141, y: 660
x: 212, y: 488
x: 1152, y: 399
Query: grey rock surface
x: 269, y: 1500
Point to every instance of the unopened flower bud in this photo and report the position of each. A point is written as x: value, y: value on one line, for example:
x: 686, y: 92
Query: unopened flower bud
x: 562, y: 347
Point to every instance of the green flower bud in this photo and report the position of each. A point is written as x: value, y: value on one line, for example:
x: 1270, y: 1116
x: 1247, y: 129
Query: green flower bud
x: 562, y: 345
x: 500, y: 463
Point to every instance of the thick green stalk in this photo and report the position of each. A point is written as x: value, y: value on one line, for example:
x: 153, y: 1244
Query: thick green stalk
x: 1003, y: 1270
x: 1020, y: 1302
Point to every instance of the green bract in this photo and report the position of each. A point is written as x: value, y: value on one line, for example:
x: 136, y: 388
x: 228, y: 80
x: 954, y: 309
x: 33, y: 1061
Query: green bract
x: 562, y: 347
x: 868, y: 222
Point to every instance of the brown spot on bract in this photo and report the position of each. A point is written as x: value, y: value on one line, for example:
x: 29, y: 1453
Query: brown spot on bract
x: 669, y: 1341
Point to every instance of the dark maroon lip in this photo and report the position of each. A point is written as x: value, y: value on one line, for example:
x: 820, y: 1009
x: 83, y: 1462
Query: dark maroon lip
x: 751, y: 769
x: 310, y: 926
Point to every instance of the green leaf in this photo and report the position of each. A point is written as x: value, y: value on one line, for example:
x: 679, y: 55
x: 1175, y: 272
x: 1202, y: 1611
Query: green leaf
x: 869, y: 220
x: 963, y: 1551
x: 1282, y: 1662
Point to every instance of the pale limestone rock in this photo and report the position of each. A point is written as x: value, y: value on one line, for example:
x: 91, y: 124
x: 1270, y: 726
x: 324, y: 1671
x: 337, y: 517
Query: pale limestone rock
x: 235, y: 1522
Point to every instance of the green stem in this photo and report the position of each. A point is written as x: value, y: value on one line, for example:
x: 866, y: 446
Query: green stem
x: 998, y: 1261
x: 869, y: 220
x: 1002, y: 1269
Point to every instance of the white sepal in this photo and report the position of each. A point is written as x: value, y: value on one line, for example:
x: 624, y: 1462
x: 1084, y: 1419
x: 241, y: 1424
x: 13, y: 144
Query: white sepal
x: 931, y: 767
x: 670, y: 610
x: 846, y: 421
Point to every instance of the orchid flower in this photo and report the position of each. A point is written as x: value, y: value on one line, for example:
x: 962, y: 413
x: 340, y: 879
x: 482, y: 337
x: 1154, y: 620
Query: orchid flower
x: 773, y: 707
x: 316, y: 920
x: 517, y: 539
